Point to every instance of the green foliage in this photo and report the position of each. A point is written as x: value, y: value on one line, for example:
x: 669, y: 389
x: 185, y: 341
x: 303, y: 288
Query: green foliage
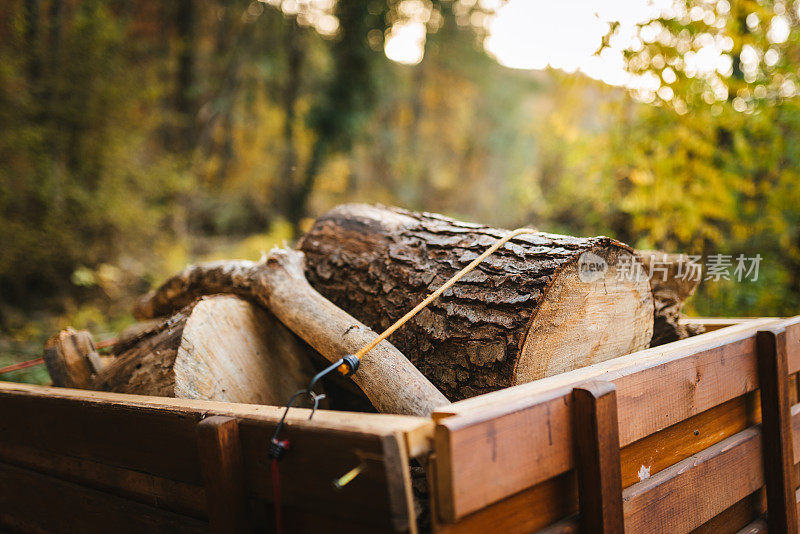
x: 138, y: 137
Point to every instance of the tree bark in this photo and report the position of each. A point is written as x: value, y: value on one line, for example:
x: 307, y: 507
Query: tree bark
x: 72, y: 359
x: 389, y: 380
x: 672, y: 282
x: 219, y: 348
x: 533, y: 309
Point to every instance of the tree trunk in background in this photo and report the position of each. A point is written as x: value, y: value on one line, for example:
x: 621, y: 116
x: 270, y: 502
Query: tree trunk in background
x: 186, y: 22
x: 295, y: 55
x: 531, y: 310
x: 671, y: 283
x: 33, y: 34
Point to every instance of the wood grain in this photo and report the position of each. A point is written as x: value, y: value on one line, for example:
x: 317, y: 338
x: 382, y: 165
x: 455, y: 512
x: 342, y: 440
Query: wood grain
x: 529, y: 310
x: 33, y: 502
x: 597, y: 457
x: 520, y: 434
x: 691, y: 492
x: 392, y: 383
x: 156, y: 438
x: 223, y: 473
x: 778, y: 455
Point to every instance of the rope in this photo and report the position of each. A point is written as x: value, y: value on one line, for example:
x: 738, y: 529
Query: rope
x: 21, y: 365
x: 430, y: 298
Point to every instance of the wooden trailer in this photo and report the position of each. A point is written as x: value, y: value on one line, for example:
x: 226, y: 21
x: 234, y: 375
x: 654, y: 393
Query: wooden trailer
x: 694, y: 436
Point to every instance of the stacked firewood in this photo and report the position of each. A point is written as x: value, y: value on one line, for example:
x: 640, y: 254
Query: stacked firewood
x: 256, y: 332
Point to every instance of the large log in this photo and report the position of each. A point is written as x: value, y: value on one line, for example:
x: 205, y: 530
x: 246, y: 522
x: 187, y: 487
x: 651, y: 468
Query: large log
x: 672, y: 281
x: 219, y: 348
x: 542, y: 305
x: 278, y: 283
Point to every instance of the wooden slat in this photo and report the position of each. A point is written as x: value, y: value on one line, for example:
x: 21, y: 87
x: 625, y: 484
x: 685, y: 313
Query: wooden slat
x: 187, y: 499
x: 418, y: 431
x: 32, y: 502
x: 223, y: 472
x: 316, y: 458
x: 716, y: 323
x: 527, y: 511
x: 157, y: 438
x: 501, y: 434
x: 656, y: 452
x: 756, y: 527
x: 686, y: 495
x: 778, y: 452
x: 598, y: 464
x: 539, y: 506
x: 734, y: 519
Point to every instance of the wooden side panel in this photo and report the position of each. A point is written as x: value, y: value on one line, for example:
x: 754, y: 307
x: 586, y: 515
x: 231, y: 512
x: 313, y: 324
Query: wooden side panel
x: 32, y: 502
x: 522, y: 441
x: 711, y: 392
x: 145, y: 452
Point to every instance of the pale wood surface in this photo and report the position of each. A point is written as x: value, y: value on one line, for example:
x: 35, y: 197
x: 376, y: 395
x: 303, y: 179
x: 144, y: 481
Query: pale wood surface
x: 389, y: 380
x: 217, y: 348
x: 232, y: 350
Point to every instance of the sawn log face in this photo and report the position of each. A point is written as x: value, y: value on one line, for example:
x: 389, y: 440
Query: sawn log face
x: 522, y: 314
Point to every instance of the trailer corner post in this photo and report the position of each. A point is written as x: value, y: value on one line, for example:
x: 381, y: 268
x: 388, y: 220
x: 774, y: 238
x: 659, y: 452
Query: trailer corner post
x: 223, y: 474
x: 597, y: 451
x: 777, y: 446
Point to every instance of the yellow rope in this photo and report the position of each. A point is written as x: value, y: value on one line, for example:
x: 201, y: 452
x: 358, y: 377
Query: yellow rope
x: 460, y: 274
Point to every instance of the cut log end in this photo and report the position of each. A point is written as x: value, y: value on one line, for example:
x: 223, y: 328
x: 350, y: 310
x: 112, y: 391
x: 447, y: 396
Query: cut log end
x: 540, y: 305
x: 591, y: 312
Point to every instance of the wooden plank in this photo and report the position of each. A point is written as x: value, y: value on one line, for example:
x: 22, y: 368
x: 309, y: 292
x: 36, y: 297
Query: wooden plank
x: 186, y: 499
x: 656, y: 452
x: 501, y: 432
x: 777, y: 449
x: 316, y: 458
x: 739, y: 516
x: 598, y: 464
x: 418, y: 431
x: 33, y: 502
x: 537, y: 507
x: 624, y: 365
x: 527, y: 511
x: 716, y: 323
x: 758, y: 526
x: 693, y: 491
x: 156, y: 437
x: 223, y: 472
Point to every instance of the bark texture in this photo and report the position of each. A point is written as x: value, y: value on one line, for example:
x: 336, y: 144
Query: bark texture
x: 219, y: 348
x: 72, y: 359
x: 532, y: 309
x: 672, y: 282
x: 389, y: 380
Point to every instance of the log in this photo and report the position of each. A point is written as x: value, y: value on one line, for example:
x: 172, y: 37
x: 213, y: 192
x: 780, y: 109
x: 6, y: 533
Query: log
x: 278, y: 283
x: 219, y: 348
x: 72, y: 359
x: 542, y: 305
x: 671, y: 282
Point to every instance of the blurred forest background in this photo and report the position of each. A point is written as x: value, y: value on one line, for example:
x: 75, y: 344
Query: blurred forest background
x: 139, y: 136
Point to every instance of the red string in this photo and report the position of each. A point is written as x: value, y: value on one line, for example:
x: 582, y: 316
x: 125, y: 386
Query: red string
x: 276, y: 496
x: 21, y: 365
